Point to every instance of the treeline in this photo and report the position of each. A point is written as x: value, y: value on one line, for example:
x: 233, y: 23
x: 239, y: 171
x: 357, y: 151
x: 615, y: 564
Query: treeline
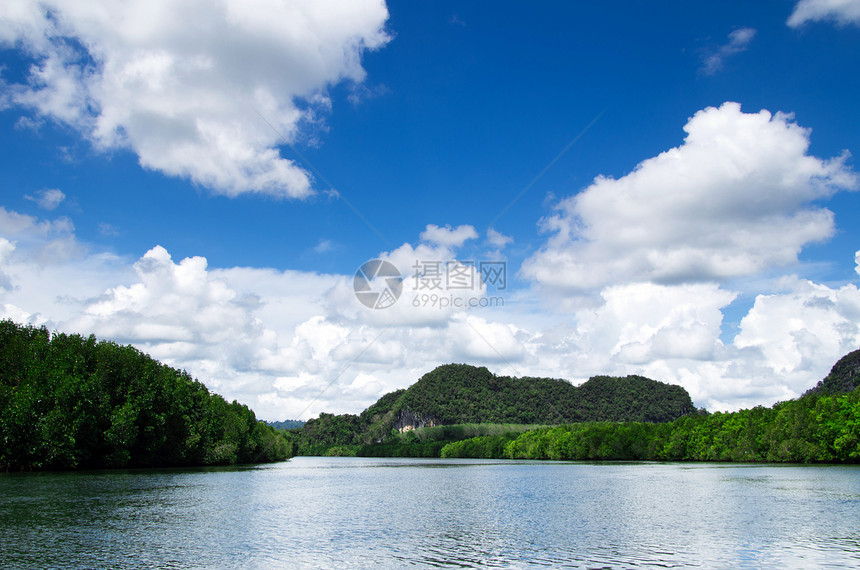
x: 457, y: 394
x: 69, y: 402
x: 421, y: 442
x: 430, y: 441
x: 811, y: 429
x: 331, y: 434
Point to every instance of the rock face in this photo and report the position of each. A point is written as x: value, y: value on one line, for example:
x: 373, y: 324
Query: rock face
x: 843, y: 377
x: 409, y: 420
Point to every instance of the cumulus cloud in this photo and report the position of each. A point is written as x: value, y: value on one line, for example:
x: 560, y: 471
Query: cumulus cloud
x: 786, y: 343
x: 170, y: 303
x: 201, y: 90
x: 448, y: 236
x: 294, y: 344
x: 47, y: 199
x: 843, y: 12
x: 738, y: 41
x: 794, y: 328
x: 643, y: 322
x: 472, y: 338
x: 736, y: 198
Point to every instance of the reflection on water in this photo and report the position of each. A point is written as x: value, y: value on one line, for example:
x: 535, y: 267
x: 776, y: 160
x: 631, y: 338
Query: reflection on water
x: 350, y: 512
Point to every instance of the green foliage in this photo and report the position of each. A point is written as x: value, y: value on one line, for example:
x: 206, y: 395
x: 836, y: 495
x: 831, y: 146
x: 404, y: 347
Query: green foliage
x: 326, y: 431
x: 462, y: 431
x: 807, y: 430
x: 460, y: 394
x: 341, y: 451
x: 444, y: 403
x: 482, y: 447
x: 632, y: 398
x: 430, y: 441
x: 401, y: 449
x: 457, y: 395
x: 318, y: 435
x: 69, y: 402
x: 378, y: 419
x: 465, y: 411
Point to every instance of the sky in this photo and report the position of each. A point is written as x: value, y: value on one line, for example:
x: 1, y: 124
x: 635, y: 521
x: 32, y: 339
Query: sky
x: 307, y: 204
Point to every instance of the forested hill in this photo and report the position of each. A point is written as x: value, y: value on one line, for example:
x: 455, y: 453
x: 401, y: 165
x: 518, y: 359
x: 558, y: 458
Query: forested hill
x: 69, y: 402
x: 459, y: 393
x: 844, y: 377
x: 463, y: 394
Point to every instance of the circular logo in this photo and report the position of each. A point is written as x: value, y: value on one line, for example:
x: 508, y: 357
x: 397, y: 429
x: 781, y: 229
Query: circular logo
x: 377, y: 284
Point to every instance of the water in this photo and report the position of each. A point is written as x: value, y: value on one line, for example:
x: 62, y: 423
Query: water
x: 395, y: 513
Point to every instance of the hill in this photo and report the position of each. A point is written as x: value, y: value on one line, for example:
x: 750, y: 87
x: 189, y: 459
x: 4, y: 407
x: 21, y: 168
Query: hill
x: 844, y: 377
x: 463, y: 394
x: 69, y: 402
x: 459, y: 393
x: 286, y: 424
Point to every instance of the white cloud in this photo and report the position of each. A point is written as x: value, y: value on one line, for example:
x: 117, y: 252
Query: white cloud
x: 843, y: 12
x: 794, y: 328
x: 447, y: 236
x: 738, y: 41
x: 47, y: 270
x: 473, y: 338
x: 197, y: 89
x: 169, y: 303
x: 786, y: 343
x: 6, y: 250
x: 426, y: 300
x: 293, y: 343
x: 22, y: 226
x: 324, y: 246
x: 48, y: 199
x: 276, y: 340
x: 43, y: 242
x: 497, y: 239
x: 736, y: 198
x: 643, y: 322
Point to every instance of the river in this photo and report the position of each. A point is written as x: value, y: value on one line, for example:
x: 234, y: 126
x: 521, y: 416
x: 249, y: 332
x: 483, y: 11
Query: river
x: 350, y: 512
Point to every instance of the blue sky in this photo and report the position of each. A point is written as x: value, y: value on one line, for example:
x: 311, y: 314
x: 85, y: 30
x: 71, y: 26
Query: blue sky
x: 670, y: 184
